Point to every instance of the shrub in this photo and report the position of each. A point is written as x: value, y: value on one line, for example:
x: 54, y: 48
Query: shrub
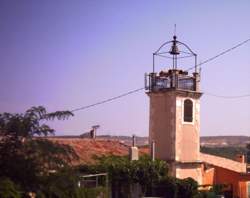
x: 8, y: 189
x: 187, y: 188
x: 166, y: 188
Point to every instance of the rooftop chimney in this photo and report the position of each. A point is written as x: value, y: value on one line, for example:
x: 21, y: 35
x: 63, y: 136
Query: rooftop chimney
x: 133, y: 141
x: 152, y: 150
x: 133, y: 150
x: 93, y: 131
x: 240, y: 158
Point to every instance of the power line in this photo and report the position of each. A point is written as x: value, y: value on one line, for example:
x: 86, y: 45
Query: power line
x: 108, y: 100
x: 202, y: 63
x: 227, y: 97
x: 140, y: 89
x: 220, y: 54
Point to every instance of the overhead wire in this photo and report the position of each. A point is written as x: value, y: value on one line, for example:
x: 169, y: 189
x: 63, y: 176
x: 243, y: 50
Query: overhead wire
x: 108, y: 100
x: 220, y: 54
x: 227, y: 97
x: 140, y: 89
x: 206, y: 93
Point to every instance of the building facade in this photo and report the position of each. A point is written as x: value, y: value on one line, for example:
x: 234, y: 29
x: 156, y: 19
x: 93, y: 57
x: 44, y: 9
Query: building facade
x: 174, y: 123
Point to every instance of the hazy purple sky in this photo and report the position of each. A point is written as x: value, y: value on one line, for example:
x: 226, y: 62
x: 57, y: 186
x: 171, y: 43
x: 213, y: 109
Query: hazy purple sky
x: 66, y: 54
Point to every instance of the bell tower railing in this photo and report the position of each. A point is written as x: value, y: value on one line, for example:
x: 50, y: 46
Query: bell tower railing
x: 173, y: 79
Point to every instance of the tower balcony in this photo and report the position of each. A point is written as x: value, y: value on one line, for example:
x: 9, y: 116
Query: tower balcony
x: 172, y: 79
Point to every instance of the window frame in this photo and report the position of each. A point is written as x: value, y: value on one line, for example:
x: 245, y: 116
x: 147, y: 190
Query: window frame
x: 193, y: 111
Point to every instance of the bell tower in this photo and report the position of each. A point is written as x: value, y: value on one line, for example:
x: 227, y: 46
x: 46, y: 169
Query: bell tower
x: 174, y: 121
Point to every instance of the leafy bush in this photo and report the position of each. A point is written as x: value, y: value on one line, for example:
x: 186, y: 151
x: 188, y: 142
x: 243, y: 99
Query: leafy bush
x: 151, y: 175
x: 8, y: 189
x: 95, y: 192
x: 26, y: 159
x: 248, y: 153
x: 187, y: 188
x: 62, y: 184
x: 171, y: 187
x: 227, y: 151
x: 166, y: 188
x: 206, y: 194
x: 148, y: 172
x: 123, y: 173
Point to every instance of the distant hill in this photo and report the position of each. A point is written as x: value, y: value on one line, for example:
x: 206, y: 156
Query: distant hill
x: 224, y: 146
x: 224, y: 141
x: 227, y: 152
x: 206, y: 141
x: 127, y: 139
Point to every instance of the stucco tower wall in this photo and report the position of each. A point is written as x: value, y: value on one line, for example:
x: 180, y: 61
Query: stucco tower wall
x: 185, y: 170
x: 187, y: 133
x: 162, y: 124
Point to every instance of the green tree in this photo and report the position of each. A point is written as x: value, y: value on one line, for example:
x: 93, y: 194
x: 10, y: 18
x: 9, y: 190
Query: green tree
x: 187, y: 188
x: 248, y: 153
x: 167, y: 187
x: 62, y: 184
x: 176, y: 188
x: 120, y: 173
x: 8, y: 189
x: 227, y: 151
x: 151, y: 175
x: 123, y: 173
x: 24, y: 156
x: 148, y: 172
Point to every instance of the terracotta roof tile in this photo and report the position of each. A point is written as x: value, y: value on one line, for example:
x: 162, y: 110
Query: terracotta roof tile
x: 86, y: 148
x: 223, y: 163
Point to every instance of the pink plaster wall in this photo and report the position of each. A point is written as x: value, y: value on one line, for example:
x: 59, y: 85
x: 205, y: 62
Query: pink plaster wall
x: 162, y: 124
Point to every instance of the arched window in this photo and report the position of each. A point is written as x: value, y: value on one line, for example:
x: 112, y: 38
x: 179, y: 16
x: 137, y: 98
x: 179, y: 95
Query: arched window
x: 188, y: 110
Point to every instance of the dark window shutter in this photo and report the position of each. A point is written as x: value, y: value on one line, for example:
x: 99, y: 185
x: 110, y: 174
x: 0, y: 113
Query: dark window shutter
x: 188, y: 110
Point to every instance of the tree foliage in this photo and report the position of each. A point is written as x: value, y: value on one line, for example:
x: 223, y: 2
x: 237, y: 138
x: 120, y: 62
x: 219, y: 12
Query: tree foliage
x: 8, y: 189
x: 152, y: 177
x: 28, y: 124
x: 24, y: 156
x: 187, y: 188
x: 226, y: 151
x: 176, y: 188
x: 123, y: 173
x: 62, y: 184
x: 248, y: 153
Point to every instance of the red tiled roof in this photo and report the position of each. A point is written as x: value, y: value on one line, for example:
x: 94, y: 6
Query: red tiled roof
x: 223, y: 163
x: 87, y: 148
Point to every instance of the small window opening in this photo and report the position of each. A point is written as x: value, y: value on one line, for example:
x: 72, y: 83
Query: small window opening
x: 188, y: 111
